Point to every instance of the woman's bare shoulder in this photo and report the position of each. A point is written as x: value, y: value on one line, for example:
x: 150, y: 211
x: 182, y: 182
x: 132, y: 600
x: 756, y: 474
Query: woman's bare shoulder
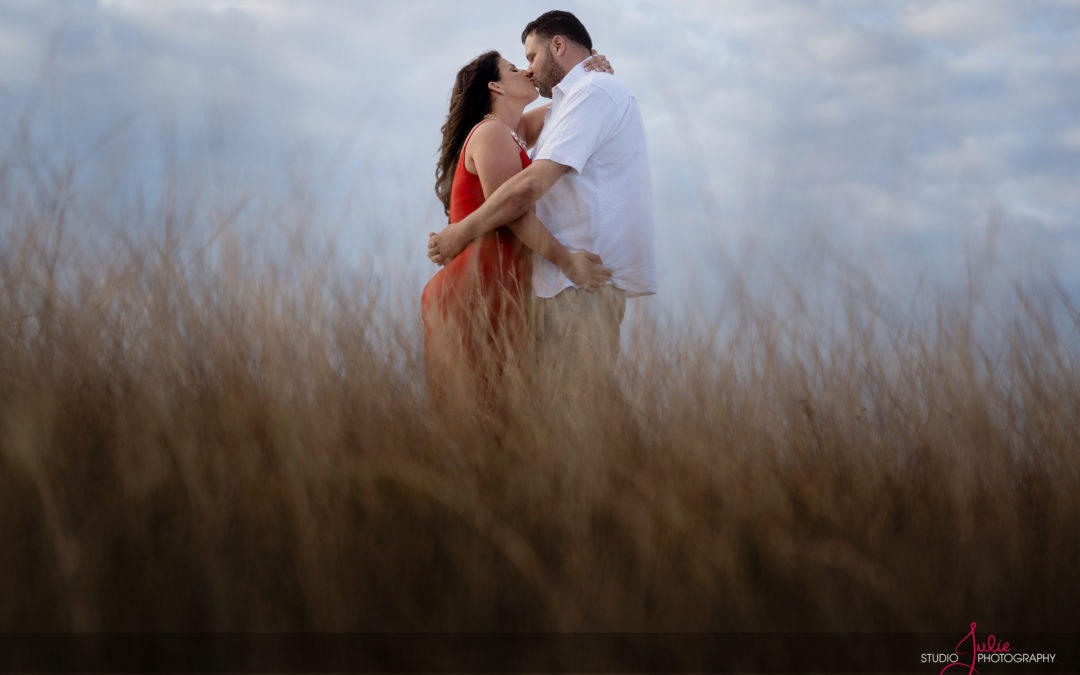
x: 490, y: 140
x: 493, y: 137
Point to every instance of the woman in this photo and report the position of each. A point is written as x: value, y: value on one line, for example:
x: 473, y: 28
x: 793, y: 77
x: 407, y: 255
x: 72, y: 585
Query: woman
x: 474, y: 307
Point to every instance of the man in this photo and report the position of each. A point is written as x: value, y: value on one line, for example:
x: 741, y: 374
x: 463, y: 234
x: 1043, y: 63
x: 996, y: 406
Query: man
x: 589, y: 181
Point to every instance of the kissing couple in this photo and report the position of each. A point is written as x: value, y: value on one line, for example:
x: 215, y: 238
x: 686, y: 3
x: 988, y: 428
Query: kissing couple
x: 550, y: 216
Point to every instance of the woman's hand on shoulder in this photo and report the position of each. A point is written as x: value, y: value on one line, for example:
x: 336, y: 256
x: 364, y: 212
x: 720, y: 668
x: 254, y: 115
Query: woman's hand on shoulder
x: 598, y: 62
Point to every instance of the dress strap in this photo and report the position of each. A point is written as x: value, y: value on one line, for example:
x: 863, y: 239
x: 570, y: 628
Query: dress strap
x: 471, y: 132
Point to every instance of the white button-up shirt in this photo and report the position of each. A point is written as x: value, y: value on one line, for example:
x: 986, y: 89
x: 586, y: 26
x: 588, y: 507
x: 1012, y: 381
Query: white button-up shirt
x: 603, y: 203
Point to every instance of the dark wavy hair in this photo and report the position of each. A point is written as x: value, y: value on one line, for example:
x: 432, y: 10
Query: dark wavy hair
x: 469, y: 102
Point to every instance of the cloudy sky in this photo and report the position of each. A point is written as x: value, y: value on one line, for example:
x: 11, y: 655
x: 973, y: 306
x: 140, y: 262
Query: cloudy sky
x: 900, y: 138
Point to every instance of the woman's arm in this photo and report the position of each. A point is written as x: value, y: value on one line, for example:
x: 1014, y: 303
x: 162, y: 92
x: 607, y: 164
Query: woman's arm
x: 531, y: 123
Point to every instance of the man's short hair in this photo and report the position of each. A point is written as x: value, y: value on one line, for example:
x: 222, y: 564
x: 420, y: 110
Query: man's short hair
x: 558, y: 22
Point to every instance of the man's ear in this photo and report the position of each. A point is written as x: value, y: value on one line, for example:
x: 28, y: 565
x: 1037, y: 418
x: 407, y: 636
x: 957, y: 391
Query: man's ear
x: 558, y: 45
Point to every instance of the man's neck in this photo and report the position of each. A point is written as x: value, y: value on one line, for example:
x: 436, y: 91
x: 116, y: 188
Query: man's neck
x: 573, y: 58
x: 567, y: 79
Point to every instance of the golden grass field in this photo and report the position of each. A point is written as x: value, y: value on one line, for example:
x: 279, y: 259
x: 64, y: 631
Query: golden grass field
x: 196, y: 436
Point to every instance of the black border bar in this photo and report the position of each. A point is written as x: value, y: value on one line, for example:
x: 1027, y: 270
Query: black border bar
x: 512, y: 652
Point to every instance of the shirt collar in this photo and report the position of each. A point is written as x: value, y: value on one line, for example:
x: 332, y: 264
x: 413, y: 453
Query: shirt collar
x: 568, y: 81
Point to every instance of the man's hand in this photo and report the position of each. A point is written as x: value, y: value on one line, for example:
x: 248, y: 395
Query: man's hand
x: 587, y: 271
x: 445, y: 245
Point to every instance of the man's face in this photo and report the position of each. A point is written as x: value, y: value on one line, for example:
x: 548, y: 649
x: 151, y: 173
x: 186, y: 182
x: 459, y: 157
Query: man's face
x: 542, y: 67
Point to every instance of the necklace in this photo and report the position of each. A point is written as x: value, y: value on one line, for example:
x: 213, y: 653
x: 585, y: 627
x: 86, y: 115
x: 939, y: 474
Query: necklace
x: 513, y: 133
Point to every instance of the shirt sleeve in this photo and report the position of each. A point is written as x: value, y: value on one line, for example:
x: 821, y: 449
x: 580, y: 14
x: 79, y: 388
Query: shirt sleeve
x: 585, y: 119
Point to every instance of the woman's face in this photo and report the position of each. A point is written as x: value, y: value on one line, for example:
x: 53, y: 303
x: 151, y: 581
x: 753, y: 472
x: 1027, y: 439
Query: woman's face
x: 515, y: 82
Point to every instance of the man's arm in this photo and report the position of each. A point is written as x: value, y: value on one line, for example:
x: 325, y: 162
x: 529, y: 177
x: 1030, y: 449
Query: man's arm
x: 508, y: 203
x: 583, y: 268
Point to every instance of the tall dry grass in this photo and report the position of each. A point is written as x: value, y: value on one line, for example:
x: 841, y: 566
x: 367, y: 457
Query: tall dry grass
x: 197, y: 435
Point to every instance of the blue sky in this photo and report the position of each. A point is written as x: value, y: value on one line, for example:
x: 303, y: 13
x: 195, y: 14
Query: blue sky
x: 901, y: 138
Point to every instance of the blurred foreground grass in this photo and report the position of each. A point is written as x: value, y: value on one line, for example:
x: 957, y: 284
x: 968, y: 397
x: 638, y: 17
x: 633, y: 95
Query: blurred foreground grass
x: 206, y: 438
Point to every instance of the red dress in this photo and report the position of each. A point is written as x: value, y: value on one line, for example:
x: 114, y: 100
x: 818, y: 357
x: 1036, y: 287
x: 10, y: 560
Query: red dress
x: 474, y: 307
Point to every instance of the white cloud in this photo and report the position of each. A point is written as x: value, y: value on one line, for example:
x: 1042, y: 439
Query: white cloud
x: 958, y: 19
x: 14, y: 52
x: 1070, y: 138
x: 972, y: 159
x: 870, y: 117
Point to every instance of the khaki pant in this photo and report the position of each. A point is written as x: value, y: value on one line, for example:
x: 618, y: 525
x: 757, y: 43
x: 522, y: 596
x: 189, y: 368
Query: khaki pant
x: 577, y: 333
